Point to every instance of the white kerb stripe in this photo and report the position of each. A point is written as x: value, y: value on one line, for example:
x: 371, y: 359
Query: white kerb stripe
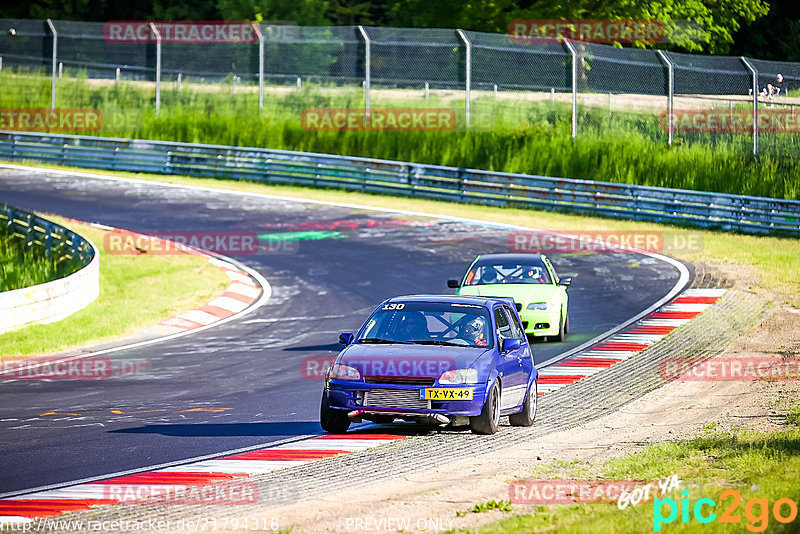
x: 227, y: 303
x: 247, y: 291
x: 235, y: 466
x: 707, y: 292
x: 664, y: 322
x: 579, y: 371
x: 238, y: 276
x: 199, y: 316
x: 685, y: 307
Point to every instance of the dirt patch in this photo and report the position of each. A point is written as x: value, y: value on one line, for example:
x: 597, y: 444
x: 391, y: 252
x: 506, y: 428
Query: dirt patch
x: 431, y: 501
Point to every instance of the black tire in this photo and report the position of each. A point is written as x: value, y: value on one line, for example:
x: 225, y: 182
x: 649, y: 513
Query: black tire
x: 566, y: 323
x: 562, y: 333
x: 528, y: 413
x: 489, y: 419
x: 333, y: 421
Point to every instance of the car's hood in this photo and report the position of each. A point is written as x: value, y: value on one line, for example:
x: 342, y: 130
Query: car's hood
x: 521, y: 293
x: 428, y: 361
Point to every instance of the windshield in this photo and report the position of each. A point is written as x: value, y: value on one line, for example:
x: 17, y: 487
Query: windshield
x: 429, y: 323
x: 508, y: 273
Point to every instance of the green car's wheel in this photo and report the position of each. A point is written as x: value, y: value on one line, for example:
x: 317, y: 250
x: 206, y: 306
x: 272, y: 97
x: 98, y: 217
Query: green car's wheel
x: 334, y: 421
x: 562, y: 332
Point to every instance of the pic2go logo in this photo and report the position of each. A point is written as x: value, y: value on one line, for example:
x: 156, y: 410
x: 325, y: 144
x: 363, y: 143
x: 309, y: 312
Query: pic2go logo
x: 758, y: 522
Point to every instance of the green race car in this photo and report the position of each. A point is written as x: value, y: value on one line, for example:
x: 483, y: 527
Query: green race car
x: 530, y: 279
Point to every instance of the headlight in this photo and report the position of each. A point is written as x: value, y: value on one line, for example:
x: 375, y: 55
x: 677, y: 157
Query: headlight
x: 459, y: 376
x: 341, y: 371
x: 545, y: 306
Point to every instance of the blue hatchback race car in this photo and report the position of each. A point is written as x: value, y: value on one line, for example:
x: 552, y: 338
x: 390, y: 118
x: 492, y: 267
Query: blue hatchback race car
x: 442, y: 358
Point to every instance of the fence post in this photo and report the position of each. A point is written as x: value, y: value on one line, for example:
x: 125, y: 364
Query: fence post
x: 574, y: 87
x: 468, y: 77
x: 754, y: 72
x: 53, y: 71
x: 367, y: 71
x: 260, y: 65
x: 158, y: 66
x: 670, y: 93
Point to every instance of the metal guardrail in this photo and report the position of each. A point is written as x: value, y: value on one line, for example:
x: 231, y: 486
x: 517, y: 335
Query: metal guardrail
x: 54, y: 300
x: 675, y: 206
x: 52, y: 238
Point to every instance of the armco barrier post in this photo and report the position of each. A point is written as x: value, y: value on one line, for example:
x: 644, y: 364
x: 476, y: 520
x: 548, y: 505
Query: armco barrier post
x: 367, y: 69
x: 468, y: 73
x: 158, y: 66
x: 260, y: 65
x: 670, y: 92
x: 574, y: 87
x: 53, y: 68
x: 754, y: 72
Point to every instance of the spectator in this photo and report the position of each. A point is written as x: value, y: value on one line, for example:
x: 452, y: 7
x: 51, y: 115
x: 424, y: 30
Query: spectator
x: 774, y: 89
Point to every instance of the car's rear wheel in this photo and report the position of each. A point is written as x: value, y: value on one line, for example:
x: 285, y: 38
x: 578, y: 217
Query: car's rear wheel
x: 335, y: 421
x: 489, y: 419
x: 528, y: 413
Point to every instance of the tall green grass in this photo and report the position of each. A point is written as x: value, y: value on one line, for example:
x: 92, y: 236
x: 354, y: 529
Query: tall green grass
x: 511, y: 136
x: 23, y: 266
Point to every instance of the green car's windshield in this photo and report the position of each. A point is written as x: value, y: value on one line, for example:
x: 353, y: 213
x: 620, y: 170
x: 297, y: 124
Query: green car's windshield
x: 508, y: 273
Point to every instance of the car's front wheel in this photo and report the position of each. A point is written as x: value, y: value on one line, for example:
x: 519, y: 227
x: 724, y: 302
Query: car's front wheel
x: 489, y: 419
x: 528, y: 413
x: 335, y: 421
x: 562, y: 328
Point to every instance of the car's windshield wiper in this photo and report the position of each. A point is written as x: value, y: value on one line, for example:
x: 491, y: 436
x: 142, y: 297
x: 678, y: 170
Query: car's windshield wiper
x: 436, y: 342
x: 379, y: 340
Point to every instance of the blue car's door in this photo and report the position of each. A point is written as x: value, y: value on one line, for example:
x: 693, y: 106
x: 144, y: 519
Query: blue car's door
x: 526, y: 351
x: 514, y: 381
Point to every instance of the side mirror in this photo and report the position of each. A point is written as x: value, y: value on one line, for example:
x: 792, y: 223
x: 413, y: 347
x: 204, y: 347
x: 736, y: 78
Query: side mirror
x: 453, y: 283
x: 565, y: 282
x: 345, y: 338
x: 511, y: 343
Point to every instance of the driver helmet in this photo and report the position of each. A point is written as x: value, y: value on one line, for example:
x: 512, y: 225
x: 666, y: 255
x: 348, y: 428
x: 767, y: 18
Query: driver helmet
x: 475, y: 331
x: 415, y: 325
x: 489, y: 275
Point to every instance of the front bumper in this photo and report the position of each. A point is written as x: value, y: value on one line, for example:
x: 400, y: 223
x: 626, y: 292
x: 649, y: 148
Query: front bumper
x: 533, y: 318
x: 402, y: 401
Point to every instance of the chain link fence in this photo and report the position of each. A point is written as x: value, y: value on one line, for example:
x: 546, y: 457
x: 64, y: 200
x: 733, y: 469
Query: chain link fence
x: 597, y: 89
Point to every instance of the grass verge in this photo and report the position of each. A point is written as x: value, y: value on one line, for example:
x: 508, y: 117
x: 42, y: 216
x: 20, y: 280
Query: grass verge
x: 771, y: 263
x: 23, y: 266
x: 759, y: 467
x: 135, y: 292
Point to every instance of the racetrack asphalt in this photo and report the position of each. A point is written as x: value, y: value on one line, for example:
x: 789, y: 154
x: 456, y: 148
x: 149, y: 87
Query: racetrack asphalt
x: 240, y: 384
